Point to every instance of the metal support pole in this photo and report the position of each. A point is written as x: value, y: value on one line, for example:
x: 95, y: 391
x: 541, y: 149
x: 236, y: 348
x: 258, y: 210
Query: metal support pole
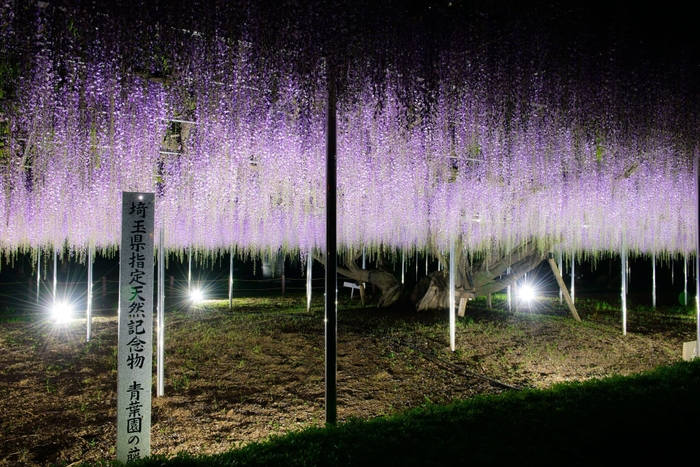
x: 573, y: 261
x: 509, y: 294
x: 697, y: 257
x: 653, y: 280
x: 230, y: 279
x: 685, y: 280
x: 309, y: 270
x: 363, y: 258
x: 623, y: 259
x: 331, y: 307
x: 189, y: 272
x: 426, y: 264
x: 55, y: 277
x: 282, y: 275
x: 88, y: 311
x: 673, y: 265
x: 38, y: 274
x: 452, y: 295
x: 161, y: 314
x: 560, y: 261
x: 403, y: 266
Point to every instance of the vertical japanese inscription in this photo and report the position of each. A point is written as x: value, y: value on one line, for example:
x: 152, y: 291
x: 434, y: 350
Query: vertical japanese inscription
x: 135, y: 327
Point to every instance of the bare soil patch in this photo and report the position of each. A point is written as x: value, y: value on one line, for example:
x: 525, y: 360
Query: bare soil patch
x: 242, y: 376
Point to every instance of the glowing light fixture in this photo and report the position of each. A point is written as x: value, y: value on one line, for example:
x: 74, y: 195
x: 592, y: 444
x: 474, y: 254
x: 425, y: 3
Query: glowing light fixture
x: 526, y: 293
x: 62, y: 311
x: 196, y: 295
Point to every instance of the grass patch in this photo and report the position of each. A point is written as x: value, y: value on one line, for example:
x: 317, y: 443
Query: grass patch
x: 617, y: 419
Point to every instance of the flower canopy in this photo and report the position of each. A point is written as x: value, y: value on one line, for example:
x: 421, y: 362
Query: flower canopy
x: 452, y: 121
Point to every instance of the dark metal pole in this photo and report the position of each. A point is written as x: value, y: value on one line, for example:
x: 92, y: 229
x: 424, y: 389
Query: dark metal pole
x: 453, y: 319
x: 331, y: 321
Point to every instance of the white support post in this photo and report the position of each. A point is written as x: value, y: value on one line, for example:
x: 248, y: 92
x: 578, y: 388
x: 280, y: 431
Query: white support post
x: 363, y: 258
x: 55, y: 277
x: 560, y: 261
x: 509, y: 294
x: 623, y: 260
x: 282, y: 270
x: 672, y: 272
x: 309, y: 270
x: 38, y: 274
x: 653, y: 281
x: 573, y: 261
x: 88, y: 311
x: 189, y: 272
x: 697, y: 257
x: 685, y: 280
x: 452, y: 295
x: 161, y: 315
x: 403, y: 266
x: 416, y: 267
x: 426, y: 264
x: 230, y: 279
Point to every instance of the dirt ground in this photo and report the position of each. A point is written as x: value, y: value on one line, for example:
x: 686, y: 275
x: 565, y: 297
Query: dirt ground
x: 241, y: 376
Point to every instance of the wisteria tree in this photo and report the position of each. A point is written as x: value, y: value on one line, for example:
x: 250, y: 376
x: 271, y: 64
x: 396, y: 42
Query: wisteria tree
x: 451, y: 127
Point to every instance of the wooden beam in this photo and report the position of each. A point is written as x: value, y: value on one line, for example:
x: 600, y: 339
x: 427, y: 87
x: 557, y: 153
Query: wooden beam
x: 462, y: 307
x: 562, y: 287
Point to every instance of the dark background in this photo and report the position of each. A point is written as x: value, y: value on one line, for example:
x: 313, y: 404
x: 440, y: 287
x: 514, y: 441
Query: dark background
x: 600, y: 281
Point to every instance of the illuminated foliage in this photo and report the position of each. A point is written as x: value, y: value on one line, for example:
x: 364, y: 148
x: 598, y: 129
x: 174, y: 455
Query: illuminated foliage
x: 449, y: 124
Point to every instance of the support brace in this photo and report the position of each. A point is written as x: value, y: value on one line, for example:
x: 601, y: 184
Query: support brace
x: 562, y: 287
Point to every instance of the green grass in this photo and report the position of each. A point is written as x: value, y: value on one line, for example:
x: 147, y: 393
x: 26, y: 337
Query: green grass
x: 618, y: 420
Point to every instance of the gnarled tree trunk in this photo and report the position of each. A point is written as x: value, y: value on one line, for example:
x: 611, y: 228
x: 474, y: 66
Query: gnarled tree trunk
x: 480, y: 278
x: 390, y: 286
x: 473, y: 279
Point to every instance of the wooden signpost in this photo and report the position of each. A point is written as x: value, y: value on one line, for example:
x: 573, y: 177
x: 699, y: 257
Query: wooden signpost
x: 135, y: 347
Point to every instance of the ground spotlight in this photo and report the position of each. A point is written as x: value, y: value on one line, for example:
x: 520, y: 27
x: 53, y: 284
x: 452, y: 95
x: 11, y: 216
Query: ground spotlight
x: 196, y: 295
x: 526, y: 293
x: 62, y: 311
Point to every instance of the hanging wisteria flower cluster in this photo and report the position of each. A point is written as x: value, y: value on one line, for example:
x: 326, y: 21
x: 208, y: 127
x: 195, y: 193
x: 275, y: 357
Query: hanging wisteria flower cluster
x: 491, y: 134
